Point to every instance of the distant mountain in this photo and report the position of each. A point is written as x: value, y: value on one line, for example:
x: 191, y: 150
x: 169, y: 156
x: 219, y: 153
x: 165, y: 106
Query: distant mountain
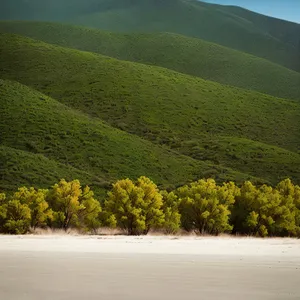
x: 171, y: 127
x: 237, y: 28
x: 180, y: 53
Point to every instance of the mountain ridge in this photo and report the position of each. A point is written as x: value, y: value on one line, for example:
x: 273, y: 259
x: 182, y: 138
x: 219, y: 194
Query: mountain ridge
x: 275, y: 40
x: 183, y: 54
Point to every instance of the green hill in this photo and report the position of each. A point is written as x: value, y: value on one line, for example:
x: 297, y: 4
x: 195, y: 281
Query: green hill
x: 20, y: 168
x: 183, y: 54
x: 273, y: 39
x: 43, y: 140
x: 247, y: 131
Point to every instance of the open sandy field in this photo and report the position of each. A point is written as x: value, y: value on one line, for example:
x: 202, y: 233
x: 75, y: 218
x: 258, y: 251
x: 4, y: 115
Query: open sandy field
x: 136, y: 268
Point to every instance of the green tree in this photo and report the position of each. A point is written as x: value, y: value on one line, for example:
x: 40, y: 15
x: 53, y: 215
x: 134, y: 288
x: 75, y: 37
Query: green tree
x: 17, y: 217
x: 205, y: 206
x: 263, y: 211
x: 108, y: 219
x: 243, y: 217
x: 73, y: 206
x: 152, y: 203
x: 41, y: 214
x: 170, y: 209
x: 89, y: 213
x: 291, y: 193
x: 137, y: 207
x: 2, y: 198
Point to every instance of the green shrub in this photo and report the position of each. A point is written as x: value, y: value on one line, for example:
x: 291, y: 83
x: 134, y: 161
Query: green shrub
x: 136, y: 206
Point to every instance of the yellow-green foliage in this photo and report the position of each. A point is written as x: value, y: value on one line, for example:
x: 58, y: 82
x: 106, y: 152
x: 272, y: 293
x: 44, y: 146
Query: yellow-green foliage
x: 170, y: 209
x: 136, y: 206
x: 73, y: 206
x: 64, y: 198
x: 2, y: 198
x: 17, y: 217
x: 36, y: 201
x: 205, y: 206
x: 89, y: 214
x: 291, y: 193
x: 266, y: 211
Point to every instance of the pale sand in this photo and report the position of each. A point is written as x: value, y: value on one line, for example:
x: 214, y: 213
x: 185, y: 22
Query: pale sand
x: 137, y: 268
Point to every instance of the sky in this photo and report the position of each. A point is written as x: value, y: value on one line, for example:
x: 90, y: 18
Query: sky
x: 282, y: 9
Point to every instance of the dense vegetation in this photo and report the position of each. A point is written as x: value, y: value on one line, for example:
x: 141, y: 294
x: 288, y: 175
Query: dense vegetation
x: 47, y: 140
x: 207, y: 125
x: 69, y: 111
x: 183, y: 54
x: 275, y: 40
x: 139, y: 206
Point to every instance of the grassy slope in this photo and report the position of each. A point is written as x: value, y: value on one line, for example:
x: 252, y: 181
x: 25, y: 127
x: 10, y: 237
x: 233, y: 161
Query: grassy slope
x: 233, y: 27
x: 20, y: 168
x: 187, y: 55
x: 75, y: 144
x: 201, y: 119
x: 213, y: 23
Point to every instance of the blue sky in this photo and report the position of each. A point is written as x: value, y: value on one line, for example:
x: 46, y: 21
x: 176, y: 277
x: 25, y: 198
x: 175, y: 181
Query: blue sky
x: 282, y: 9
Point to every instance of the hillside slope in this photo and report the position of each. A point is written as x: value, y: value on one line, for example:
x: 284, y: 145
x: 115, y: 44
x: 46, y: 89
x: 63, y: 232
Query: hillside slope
x: 49, y: 139
x: 246, y: 131
x: 237, y: 28
x: 183, y: 54
x: 18, y: 168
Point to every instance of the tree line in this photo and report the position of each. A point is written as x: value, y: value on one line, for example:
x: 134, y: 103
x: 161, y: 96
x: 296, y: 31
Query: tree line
x: 139, y: 206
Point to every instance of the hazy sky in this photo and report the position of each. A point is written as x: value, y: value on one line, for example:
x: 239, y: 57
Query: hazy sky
x: 282, y: 9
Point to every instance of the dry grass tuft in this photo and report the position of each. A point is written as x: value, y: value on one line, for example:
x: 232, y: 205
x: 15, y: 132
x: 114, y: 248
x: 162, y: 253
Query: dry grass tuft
x: 50, y: 231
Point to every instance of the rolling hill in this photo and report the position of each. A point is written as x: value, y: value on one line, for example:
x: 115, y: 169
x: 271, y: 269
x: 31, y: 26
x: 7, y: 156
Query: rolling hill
x: 183, y: 54
x: 233, y: 27
x: 20, y: 168
x: 204, y: 122
x: 43, y: 140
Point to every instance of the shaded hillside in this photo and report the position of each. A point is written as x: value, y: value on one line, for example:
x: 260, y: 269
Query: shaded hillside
x: 20, y: 168
x: 50, y: 140
x: 229, y: 26
x: 183, y: 54
x: 220, y: 125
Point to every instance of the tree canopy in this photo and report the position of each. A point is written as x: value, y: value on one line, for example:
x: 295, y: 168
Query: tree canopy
x: 73, y: 206
x: 137, y: 207
x: 205, y: 206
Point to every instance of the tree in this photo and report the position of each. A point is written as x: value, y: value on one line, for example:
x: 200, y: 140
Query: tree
x: 152, y: 199
x: 280, y: 212
x: 41, y: 214
x: 291, y: 193
x: 2, y: 198
x: 263, y: 211
x: 205, y: 206
x: 136, y: 206
x: 170, y: 209
x: 17, y: 217
x: 73, y: 206
x: 243, y: 207
x: 89, y: 213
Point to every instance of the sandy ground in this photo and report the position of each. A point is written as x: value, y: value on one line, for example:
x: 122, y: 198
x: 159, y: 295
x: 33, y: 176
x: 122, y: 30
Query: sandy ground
x: 135, y: 268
